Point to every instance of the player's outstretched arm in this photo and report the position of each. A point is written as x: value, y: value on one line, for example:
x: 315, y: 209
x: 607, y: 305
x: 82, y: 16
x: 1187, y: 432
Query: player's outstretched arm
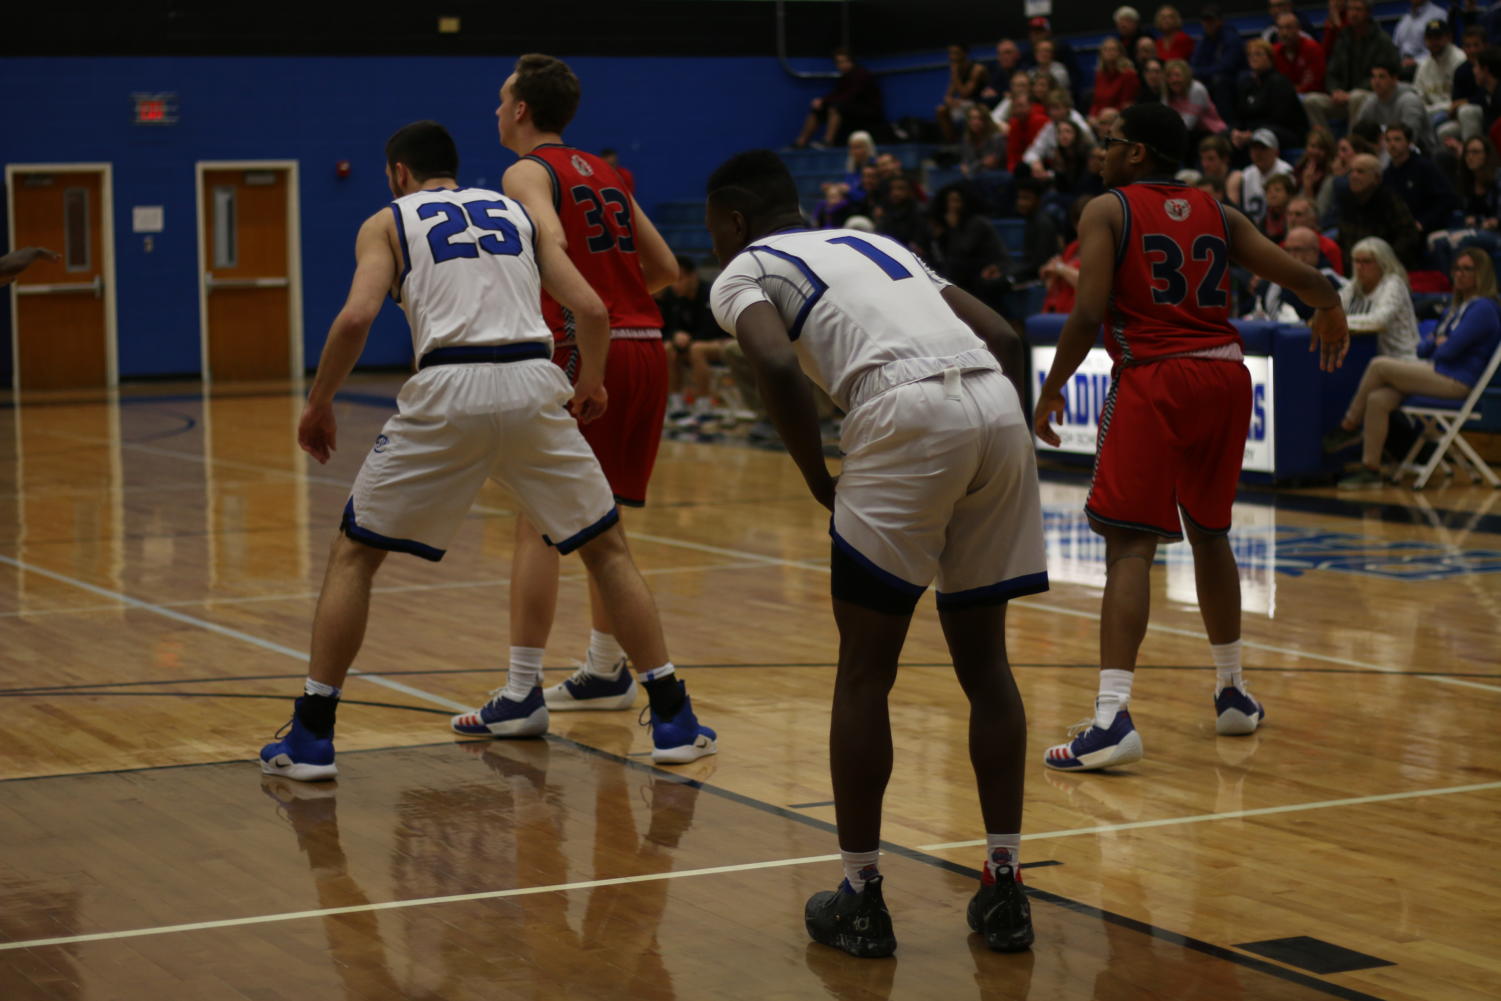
x: 659, y: 266
x: 1254, y: 252
x: 374, y: 275
x: 786, y: 393
x: 591, y: 326
x: 1003, y: 341
x: 1098, y: 229
x: 13, y: 263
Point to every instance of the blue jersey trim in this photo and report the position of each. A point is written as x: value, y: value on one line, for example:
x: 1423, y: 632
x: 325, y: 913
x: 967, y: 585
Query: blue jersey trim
x: 528, y: 217
x: 994, y: 594
x: 479, y: 354
x: 819, y: 287
x: 377, y: 541
x: 406, y: 252
x: 884, y: 576
x: 579, y: 538
x: 1120, y: 247
x: 557, y: 186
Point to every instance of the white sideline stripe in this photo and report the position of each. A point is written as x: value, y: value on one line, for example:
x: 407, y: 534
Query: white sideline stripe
x: 1231, y: 815
x: 392, y: 905
x: 1463, y: 682
x: 214, y: 627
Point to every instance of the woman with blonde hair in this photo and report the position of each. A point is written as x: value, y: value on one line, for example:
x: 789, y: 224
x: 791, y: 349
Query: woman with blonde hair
x: 1115, y: 81
x: 1447, y: 364
x: 1315, y: 168
x: 862, y: 150
x: 1190, y: 99
x: 1379, y: 300
x: 1172, y: 41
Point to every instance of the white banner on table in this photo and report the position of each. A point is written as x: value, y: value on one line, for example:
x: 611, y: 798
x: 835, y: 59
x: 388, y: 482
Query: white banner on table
x: 1085, y: 394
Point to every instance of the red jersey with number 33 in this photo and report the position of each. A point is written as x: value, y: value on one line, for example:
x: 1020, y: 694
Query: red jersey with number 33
x: 594, y: 205
x: 1172, y: 274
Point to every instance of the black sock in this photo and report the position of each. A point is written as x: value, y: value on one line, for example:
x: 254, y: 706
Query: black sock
x: 666, y: 696
x: 316, y: 713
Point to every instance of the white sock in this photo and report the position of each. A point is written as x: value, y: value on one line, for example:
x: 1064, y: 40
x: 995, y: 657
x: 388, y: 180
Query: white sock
x: 311, y: 687
x: 525, y: 673
x: 1226, y: 665
x: 604, y: 654
x: 1003, y: 849
x: 859, y: 866
x: 658, y: 673
x: 1115, y: 693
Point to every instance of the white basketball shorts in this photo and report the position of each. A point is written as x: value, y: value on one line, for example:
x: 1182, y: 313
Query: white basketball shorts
x: 455, y: 427
x: 940, y: 481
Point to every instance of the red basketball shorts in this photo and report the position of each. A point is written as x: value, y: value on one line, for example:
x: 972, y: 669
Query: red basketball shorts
x: 626, y: 438
x: 1172, y: 436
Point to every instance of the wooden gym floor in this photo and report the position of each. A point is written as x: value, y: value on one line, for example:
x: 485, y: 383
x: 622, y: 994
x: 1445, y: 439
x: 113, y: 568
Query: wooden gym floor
x: 159, y: 559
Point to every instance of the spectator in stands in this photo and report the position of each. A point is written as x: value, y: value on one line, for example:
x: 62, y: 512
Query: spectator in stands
x: 983, y: 147
x: 1297, y: 56
x: 1043, y: 54
x: 693, y: 338
x: 890, y: 168
x: 1464, y: 88
x: 1379, y: 300
x: 1314, y: 170
x: 900, y: 217
x: 1283, y: 305
x: 1334, y: 25
x: 1367, y: 209
x: 862, y: 151
x: 1359, y: 45
x: 1446, y: 365
x: 835, y: 206
x: 1153, y: 83
x: 966, y: 81
x: 1265, y: 99
x: 1040, y: 238
x: 1068, y: 162
x: 1218, y: 58
x: 1393, y: 101
x: 1008, y: 62
x: 854, y: 104
x: 1060, y: 110
x: 1410, y: 29
x: 1434, y: 79
x: 1274, y: 11
x: 1303, y: 214
x: 1417, y: 181
x: 1278, y: 193
x: 1146, y: 49
x: 1021, y: 85
x: 1061, y: 273
x: 1172, y: 41
x: 864, y: 193
x: 1028, y: 118
x: 1115, y: 81
x: 1190, y: 99
x: 1214, y: 165
x: 1480, y: 202
x: 1485, y: 105
x: 1265, y: 162
x: 965, y: 248
x: 1039, y: 31
x: 1129, y: 30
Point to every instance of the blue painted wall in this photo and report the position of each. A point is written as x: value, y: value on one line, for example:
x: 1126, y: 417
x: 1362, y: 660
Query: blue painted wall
x: 672, y: 119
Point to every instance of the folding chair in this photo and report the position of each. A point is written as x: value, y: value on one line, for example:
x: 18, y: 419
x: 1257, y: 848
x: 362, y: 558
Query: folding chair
x: 1441, y: 421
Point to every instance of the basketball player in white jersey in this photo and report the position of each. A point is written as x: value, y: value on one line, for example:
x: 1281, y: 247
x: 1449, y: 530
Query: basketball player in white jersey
x: 939, y: 480
x: 467, y: 266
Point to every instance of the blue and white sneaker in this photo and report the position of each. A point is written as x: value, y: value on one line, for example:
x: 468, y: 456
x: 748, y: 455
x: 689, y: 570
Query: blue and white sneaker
x: 590, y: 691
x: 1090, y: 748
x: 300, y: 755
x: 681, y: 739
x: 504, y: 717
x: 1236, y: 712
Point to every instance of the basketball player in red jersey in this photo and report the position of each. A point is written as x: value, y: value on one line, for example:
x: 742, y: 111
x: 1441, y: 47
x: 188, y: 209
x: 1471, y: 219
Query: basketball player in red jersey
x: 580, y: 199
x: 1154, y: 264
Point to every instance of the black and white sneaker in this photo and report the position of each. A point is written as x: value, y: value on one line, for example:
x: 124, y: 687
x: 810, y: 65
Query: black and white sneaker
x: 857, y: 923
x: 999, y: 911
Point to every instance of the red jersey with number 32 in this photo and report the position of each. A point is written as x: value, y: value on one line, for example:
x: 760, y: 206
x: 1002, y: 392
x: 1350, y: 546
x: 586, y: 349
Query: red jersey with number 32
x: 594, y: 205
x: 1172, y: 274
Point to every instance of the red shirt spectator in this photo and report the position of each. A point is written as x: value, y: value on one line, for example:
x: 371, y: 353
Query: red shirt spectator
x: 1026, y: 122
x: 1179, y: 45
x: 1114, y: 90
x: 1298, y: 57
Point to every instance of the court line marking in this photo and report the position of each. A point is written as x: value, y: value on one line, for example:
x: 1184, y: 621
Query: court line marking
x: 1460, y: 681
x: 392, y: 905
x: 1230, y: 815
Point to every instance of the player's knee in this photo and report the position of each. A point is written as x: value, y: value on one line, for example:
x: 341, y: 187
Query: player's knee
x: 604, y: 547
x: 350, y: 554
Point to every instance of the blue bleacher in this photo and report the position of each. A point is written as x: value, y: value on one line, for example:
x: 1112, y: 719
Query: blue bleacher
x: 1012, y: 233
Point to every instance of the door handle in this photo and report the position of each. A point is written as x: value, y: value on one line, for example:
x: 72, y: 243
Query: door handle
x: 64, y: 288
x: 211, y: 283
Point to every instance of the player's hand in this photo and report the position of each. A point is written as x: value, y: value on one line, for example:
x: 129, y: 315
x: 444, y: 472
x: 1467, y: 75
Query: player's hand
x: 589, y: 401
x: 317, y: 432
x: 1049, y: 404
x: 823, y: 492
x: 40, y: 254
x: 1331, y: 337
